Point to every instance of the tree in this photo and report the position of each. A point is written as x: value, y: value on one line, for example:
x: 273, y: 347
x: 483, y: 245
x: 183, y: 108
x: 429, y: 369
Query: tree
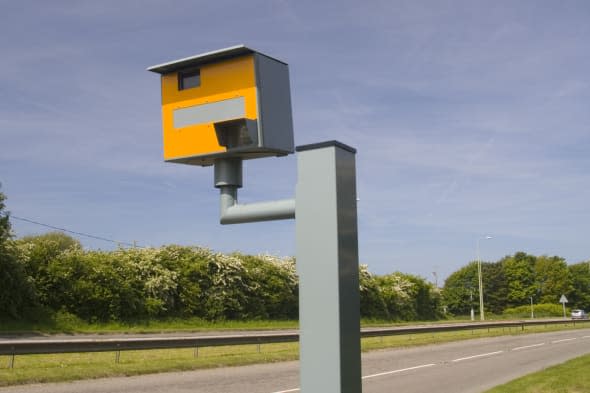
x: 58, y: 241
x: 371, y: 300
x: 495, y: 286
x: 274, y: 284
x: 426, y: 299
x: 36, y: 254
x: 579, y: 297
x: 5, y: 232
x: 460, y: 291
x: 520, y: 276
x: 407, y: 297
x: 17, y: 295
x: 553, y: 278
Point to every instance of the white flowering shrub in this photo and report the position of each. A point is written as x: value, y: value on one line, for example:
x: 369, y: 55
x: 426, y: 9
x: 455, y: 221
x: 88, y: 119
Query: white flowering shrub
x: 179, y: 281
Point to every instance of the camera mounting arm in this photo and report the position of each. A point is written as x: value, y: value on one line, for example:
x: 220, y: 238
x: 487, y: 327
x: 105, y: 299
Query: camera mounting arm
x: 228, y: 178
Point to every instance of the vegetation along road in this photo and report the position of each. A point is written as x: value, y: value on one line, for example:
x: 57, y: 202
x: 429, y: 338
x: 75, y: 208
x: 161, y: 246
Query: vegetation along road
x: 457, y: 367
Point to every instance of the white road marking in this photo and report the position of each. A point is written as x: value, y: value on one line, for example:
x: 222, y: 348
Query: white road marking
x: 563, y: 340
x: 399, y: 371
x: 375, y: 375
x: 455, y: 361
x: 477, y: 356
x: 527, y: 346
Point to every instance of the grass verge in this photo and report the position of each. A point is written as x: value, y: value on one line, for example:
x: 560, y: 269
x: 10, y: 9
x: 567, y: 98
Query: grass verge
x: 69, y: 324
x: 569, y: 377
x: 67, y: 367
x: 65, y: 323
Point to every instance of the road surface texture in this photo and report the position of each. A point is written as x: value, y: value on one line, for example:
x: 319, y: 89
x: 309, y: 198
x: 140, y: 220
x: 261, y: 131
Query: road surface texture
x: 459, y: 367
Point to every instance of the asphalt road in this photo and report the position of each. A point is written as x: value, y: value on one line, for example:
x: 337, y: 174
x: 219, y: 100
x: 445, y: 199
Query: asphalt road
x: 460, y: 367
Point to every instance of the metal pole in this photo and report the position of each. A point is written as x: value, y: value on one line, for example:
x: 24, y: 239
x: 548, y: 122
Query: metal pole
x: 471, y: 302
x: 481, y: 309
x: 480, y: 282
x: 327, y: 259
x: 532, y: 310
x: 327, y: 264
x: 228, y: 178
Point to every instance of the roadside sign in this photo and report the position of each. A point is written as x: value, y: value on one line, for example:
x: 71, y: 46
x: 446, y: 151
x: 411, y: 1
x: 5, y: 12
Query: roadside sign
x: 563, y: 299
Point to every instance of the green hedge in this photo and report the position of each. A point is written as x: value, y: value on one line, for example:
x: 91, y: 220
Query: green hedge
x: 540, y: 311
x: 186, y: 282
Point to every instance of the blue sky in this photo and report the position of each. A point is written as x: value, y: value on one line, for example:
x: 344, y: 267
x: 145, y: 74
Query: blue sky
x: 470, y: 118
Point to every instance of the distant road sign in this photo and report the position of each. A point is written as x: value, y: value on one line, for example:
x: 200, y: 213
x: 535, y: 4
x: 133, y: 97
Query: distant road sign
x: 563, y: 299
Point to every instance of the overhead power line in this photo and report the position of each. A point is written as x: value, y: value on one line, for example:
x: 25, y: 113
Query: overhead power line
x: 118, y: 242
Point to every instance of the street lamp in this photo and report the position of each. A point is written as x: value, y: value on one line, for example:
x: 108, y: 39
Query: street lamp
x: 481, y: 312
x: 471, y: 302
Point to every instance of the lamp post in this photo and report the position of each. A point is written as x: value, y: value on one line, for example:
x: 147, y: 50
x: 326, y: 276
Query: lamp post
x: 481, y: 311
x: 471, y: 302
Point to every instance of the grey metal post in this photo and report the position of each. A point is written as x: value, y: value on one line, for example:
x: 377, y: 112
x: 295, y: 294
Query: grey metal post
x: 228, y: 178
x: 327, y: 263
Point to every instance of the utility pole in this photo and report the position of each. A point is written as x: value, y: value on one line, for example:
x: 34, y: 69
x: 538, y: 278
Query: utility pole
x: 480, y: 280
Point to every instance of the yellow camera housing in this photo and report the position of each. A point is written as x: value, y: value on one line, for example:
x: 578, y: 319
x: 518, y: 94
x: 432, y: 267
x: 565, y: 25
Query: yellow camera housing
x: 234, y: 102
